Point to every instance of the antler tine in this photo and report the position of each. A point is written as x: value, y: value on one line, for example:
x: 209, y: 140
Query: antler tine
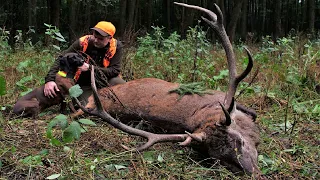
x: 212, y: 15
x: 217, y: 23
x: 219, y: 13
x: 249, y: 67
x: 227, y: 115
x: 233, y: 84
x: 152, y: 138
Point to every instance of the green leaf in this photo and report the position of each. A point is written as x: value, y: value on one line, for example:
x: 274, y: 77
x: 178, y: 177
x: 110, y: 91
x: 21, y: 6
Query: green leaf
x: 67, y: 149
x: 290, y: 150
x: 59, y: 37
x: 2, y: 86
x: 316, y: 109
x: 53, y: 176
x: 60, y: 120
x: 24, y: 65
x: 32, y: 160
x: 222, y: 75
x: 24, y: 80
x: 55, y: 142
x: 75, y: 91
x: 160, y: 158
x: 48, y: 25
x: 72, y: 132
x: 26, y: 92
x: 119, y: 167
x: 265, y: 160
x: 180, y: 152
x: 110, y: 167
x: 149, y: 156
x: 87, y: 122
x: 44, y: 152
x: 56, y: 47
x: 13, y: 149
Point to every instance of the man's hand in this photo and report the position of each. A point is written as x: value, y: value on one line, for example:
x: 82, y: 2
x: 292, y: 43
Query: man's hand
x: 50, y: 89
x: 84, y: 67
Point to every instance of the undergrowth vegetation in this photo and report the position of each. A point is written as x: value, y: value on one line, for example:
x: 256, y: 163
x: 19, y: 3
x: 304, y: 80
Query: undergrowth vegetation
x: 281, y: 88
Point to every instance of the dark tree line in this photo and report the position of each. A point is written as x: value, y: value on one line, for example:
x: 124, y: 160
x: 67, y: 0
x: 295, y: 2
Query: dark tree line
x: 243, y: 18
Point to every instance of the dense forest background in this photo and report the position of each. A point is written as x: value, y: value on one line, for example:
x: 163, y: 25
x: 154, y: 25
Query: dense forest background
x: 244, y: 19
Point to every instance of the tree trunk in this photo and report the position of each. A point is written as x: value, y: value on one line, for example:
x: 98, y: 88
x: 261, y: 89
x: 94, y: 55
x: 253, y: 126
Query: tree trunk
x: 137, y: 15
x: 132, y: 6
x: 277, y: 20
x: 236, y: 12
x: 32, y: 23
x: 54, y: 10
x: 12, y: 24
x: 123, y: 18
x: 167, y: 13
x: 149, y: 13
x: 304, y: 14
x: 264, y: 13
x: 244, y: 20
x: 311, y: 15
x: 32, y: 4
x: 87, y: 10
x: 72, y: 4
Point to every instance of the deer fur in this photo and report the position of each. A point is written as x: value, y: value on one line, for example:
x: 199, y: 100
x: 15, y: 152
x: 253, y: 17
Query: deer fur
x: 35, y: 101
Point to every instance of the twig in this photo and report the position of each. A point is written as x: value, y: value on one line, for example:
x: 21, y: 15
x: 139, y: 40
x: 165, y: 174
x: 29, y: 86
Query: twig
x: 286, y: 113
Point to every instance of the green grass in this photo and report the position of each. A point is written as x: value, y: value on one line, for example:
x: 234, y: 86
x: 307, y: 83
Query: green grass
x: 282, y: 94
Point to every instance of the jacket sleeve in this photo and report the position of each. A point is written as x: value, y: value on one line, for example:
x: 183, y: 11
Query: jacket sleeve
x: 114, y: 67
x: 55, y: 67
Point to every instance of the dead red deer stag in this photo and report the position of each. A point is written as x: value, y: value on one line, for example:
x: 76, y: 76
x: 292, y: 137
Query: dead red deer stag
x: 227, y: 131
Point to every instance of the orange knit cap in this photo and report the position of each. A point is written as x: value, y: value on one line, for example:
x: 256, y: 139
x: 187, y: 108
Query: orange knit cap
x: 105, y: 28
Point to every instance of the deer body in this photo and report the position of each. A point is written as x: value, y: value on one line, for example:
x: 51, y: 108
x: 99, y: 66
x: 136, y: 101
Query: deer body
x: 150, y: 99
x: 226, y: 131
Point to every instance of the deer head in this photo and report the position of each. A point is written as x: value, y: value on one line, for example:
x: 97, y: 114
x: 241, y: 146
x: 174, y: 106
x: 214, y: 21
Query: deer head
x: 238, y: 151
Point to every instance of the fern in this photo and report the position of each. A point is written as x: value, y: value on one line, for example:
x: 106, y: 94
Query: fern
x: 190, y: 89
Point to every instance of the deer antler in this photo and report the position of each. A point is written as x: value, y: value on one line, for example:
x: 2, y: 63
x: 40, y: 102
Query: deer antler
x: 152, y: 138
x: 216, y: 23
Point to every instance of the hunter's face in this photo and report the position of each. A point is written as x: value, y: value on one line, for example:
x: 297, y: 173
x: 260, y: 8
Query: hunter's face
x: 100, y: 41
